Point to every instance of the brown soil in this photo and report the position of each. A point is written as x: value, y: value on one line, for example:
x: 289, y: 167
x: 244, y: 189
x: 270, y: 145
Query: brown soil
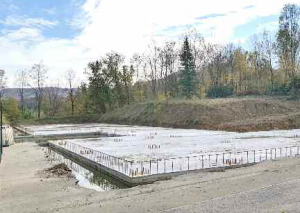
x: 232, y: 114
x: 59, y: 170
x: 240, y: 114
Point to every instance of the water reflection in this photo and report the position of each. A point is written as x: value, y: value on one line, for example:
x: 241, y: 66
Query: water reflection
x: 87, y: 178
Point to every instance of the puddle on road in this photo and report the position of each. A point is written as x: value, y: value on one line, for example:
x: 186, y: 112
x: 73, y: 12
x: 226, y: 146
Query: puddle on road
x: 86, y: 178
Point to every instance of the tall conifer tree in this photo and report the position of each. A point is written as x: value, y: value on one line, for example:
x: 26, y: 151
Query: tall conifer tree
x: 187, y: 82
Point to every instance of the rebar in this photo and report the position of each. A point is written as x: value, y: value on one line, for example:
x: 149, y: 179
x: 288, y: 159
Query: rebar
x: 143, y: 168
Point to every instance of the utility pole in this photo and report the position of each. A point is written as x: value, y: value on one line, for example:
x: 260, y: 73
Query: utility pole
x: 1, y: 126
x: 2, y: 86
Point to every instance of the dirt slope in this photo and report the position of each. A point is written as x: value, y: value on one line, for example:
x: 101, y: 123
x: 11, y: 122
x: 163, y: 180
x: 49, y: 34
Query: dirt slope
x: 232, y: 114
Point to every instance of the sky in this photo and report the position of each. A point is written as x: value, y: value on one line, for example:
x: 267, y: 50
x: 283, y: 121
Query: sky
x: 67, y: 34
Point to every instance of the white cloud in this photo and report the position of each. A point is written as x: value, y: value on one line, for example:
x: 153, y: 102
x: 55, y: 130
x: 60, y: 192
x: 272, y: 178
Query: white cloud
x: 27, y: 22
x: 23, y: 34
x: 13, y: 7
x: 128, y: 27
x: 270, y: 26
x: 22, y: 48
x: 50, y: 11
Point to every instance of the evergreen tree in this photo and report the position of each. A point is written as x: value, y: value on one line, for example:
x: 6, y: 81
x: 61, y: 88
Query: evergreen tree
x: 187, y: 82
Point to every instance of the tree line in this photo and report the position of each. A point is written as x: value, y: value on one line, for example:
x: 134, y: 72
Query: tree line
x: 190, y: 68
x: 39, y: 97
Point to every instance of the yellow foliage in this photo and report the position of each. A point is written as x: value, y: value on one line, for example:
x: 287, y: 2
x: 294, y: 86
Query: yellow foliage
x: 139, y: 95
x: 161, y: 97
x: 12, y: 111
x: 202, y: 92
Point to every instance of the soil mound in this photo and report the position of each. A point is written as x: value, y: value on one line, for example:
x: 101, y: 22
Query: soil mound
x: 59, y: 170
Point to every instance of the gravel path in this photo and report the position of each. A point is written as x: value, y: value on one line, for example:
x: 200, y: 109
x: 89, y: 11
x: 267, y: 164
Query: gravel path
x: 272, y: 198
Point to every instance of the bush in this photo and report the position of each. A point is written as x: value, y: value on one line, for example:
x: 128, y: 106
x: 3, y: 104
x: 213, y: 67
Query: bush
x: 292, y: 87
x: 295, y: 83
x: 202, y: 92
x: 11, y: 110
x: 248, y: 93
x: 28, y: 114
x: 281, y: 89
x: 161, y: 97
x: 220, y: 91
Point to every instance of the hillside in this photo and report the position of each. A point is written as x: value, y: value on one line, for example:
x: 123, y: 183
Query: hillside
x: 231, y: 114
x: 29, y: 92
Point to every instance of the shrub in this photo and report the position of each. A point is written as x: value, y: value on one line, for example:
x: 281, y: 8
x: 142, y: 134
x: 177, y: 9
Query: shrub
x: 248, y: 93
x: 202, y: 92
x: 293, y: 86
x: 220, y: 91
x: 161, y: 97
x: 281, y: 89
x: 11, y: 109
x: 295, y: 82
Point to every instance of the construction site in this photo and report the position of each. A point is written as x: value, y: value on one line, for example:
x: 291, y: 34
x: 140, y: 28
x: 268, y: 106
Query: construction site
x: 83, y: 166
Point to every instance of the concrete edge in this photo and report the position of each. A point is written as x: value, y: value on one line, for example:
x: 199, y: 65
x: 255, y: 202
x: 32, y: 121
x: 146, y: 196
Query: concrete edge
x: 45, y: 138
x: 132, y: 181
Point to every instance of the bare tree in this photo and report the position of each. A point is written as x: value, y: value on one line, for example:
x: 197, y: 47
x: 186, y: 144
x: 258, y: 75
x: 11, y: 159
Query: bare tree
x: 72, y: 88
x: 22, y: 83
x: 139, y: 65
x: 136, y: 61
x: 198, y: 47
x: 53, y: 93
x: 38, y: 76
x: 167, y: 63
x: 269, y: 51
x: 213, y: 58
x: 153, y: 62
x: 256, y: 63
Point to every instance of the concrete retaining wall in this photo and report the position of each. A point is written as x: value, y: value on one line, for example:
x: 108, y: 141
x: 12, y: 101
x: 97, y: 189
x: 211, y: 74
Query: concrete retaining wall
x: 130, y: 181
x: 23, y: 130
x: 45, y: 138
x: 91, y: 165
x: 8, y: 135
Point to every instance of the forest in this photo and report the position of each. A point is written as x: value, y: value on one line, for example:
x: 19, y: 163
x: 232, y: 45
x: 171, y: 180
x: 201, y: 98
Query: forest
x: 188, y: 68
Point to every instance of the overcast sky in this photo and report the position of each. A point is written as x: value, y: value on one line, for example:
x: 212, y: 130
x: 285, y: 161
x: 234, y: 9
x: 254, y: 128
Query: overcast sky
x: 67, y: 34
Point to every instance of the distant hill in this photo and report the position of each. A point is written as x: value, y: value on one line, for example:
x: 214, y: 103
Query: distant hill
x: 29, y: 92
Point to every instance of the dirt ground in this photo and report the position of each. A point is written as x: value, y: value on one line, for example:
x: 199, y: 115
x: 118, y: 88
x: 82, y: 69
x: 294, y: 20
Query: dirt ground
x: 268, y: 187
x: 242, y: 114
x: 239, y: 114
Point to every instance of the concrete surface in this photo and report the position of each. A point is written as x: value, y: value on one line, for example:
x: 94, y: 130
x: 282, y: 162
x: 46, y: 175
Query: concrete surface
x: 137, y: 142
